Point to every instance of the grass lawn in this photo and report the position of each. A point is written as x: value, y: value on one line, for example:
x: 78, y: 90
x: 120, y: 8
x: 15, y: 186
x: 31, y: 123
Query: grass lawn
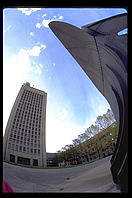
x: 39, y: 167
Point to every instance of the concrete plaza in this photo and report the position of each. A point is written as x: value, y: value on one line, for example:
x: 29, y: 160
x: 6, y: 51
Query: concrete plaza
x: 93, y: 177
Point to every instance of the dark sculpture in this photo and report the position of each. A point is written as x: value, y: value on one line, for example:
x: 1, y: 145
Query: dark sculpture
x: 102, y: 54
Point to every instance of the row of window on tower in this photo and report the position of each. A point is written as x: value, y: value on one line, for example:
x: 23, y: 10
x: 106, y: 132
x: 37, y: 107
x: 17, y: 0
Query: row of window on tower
x: 31, y: 95
x: 25, y: 137
x: 26, y: 143
x: 25, y: 125
x: 31, y: 103
x: 23, y: 149
x: 31, y: 113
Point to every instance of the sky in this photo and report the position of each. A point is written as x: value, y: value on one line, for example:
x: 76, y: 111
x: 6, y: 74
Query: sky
x: 32, y: 53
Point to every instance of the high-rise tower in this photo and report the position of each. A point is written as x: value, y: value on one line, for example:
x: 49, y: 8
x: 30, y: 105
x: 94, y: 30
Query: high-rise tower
x: 25, y: 134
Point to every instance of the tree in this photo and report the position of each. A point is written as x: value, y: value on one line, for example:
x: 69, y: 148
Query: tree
x: 110, y: 116
x: 76, y: 142
x: 94, y: 136
x: 91, y: 131
x: 103, y: 122
x: 83, y: 137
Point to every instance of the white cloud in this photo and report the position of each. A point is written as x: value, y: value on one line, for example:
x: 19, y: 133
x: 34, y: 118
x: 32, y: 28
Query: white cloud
x: 8, y: 28
x: 102, y: 109
x: 25, y: 11
x: 43, y: 46
x: 44, y: 15
x: 22, y: 61
x: 35, y: 51
x: 31, y: 33
x: 28, y: 11
x: 38, y: 70
x: 64, y: 132
x: 40, y: 65
x: 46, y: 22
x: 63, y: 114
x: 60, y: 17
x: 35, y: 9
x: 38, y: 25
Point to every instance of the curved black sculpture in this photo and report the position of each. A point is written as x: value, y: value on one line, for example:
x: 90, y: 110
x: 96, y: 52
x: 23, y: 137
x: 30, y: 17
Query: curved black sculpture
x: 102, y: 54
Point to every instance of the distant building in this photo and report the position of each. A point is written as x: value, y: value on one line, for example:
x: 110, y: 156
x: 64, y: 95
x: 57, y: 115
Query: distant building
x: 50, y: 159
x: 25, y: 134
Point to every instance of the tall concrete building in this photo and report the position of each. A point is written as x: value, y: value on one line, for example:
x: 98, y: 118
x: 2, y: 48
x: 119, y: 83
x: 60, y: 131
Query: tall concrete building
x: 25, y: 134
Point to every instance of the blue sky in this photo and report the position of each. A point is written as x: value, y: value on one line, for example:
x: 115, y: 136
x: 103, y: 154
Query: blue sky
x: 32, y: 53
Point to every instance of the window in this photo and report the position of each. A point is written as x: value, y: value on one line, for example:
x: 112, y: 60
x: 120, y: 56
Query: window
x: 34, y: 151
x: 20, y: 148
x: 24, y: 149
x: 13, y: 146
x: 27, y: 149
x: 12, y: 158
x: 16, y: 147
x: 22, y: 160
x: 31, y: 150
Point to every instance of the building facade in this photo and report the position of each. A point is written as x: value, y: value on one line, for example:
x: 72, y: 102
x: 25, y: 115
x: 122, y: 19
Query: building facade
x: 25, y: 134
x: 50, y: 159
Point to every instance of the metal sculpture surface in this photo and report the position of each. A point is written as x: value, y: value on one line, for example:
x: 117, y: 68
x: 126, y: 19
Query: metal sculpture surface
x: 102, y: 54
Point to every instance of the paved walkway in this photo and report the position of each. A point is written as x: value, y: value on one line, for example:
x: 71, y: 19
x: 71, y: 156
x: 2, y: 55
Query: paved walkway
x: 94, y: 177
